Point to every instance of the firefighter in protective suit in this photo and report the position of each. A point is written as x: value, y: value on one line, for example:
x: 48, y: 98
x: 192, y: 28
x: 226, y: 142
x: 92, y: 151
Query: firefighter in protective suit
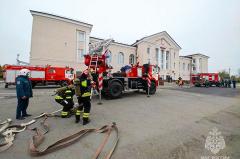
x: 79, y: 109
x: 64, y: 96
x: 85, y: 98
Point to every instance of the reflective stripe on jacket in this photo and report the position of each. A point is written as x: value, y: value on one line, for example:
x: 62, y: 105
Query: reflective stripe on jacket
x: 58, y: 97
x: 85, y: 88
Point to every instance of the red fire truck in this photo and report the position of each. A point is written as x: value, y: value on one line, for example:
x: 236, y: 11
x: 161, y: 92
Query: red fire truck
x: 114, y: 84
x: 206, y: 79
x: 44, y: 75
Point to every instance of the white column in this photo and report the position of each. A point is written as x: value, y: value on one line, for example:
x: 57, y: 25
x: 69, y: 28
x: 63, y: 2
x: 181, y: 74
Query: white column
x: 164, y: 60
x: 170, y: 61
x: 87, y: 34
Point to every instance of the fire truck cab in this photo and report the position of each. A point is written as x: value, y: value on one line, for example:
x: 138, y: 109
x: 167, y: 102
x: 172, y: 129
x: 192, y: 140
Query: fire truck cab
x: 206, y: 79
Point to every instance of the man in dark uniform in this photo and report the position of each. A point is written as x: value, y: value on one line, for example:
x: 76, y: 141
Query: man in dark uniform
x: 206, y: 83
x: 229, y: 83
x: 24, y: 92
x: 234, y: 82
x: 85, y: 88
x: 64, y: 96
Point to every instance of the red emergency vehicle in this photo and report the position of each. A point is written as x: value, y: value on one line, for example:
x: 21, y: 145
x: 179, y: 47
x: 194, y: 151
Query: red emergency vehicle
x: 132, y: 77
x: 206, y: 79
x: 44, y: 75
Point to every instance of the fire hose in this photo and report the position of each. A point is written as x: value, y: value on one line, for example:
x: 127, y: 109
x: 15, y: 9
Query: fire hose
x: 39, y: 137
x: 8, y: 132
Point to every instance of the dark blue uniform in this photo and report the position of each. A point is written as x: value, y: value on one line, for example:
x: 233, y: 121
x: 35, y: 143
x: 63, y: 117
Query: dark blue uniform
x: 24, y: 89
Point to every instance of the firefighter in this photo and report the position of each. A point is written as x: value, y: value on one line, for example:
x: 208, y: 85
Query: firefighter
x: 79, y: 109
x: 64, y: 96
x: 85, y: 88
x: 206, y: 83
x: 24, y: 92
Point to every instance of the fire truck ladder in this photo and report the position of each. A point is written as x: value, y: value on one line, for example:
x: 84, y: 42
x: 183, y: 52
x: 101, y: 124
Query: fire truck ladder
x: 94, y: 62
x: 96, y: 54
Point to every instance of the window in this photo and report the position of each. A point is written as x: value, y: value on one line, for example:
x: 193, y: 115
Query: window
x: 148, y: 50
x: 174, y: 65
x: 51, y: 70
x: 81, y: 36
x: 109, y: 57
x: 188, y: 67
x: 194, y: 60
x: 120, y: 58
x: 80, y: 55
x: 174, y: 54
x: 81, y: 45
x: 69, y: 71
x: 183, y: 66
x: 131, y: 59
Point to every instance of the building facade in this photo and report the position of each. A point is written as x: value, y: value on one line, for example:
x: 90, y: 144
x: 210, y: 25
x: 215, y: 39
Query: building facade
x: 61, y: 41
x: 58, y: 41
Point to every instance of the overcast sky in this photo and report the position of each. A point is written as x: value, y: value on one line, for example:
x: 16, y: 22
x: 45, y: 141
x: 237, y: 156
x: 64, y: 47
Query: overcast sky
x: 210, y: 27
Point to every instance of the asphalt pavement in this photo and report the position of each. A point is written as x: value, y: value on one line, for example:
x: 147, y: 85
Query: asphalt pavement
x: 172, y: 124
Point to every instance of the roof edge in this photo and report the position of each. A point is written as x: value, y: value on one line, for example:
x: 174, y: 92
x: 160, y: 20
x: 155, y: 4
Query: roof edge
x: 114, y: 42
x: 138, y: 41
x: 198, y: 54
x: 58, y: 17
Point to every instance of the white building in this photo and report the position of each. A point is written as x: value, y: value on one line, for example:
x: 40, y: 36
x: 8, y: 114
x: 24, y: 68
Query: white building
x: 62, y: 41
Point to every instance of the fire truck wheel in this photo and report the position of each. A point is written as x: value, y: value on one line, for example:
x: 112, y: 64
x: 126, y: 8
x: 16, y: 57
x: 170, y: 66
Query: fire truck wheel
x: 152, y: 88
x: 114, y: 90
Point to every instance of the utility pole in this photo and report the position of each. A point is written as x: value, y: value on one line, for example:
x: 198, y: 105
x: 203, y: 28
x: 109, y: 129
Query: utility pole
x: 229, y: 70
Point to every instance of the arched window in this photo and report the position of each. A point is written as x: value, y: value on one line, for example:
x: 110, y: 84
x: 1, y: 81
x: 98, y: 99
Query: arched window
x: 120, y: 58
x: 109, y: 57
x: 131, y: 59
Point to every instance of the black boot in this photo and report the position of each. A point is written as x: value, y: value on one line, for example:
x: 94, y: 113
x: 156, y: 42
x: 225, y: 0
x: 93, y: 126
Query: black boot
x: 21, y: 118
x: 85, y: 121
x: 27, y: 115
x: 77, y: 117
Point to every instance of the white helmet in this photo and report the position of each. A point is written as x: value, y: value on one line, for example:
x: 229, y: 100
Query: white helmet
x: 24, y: 72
